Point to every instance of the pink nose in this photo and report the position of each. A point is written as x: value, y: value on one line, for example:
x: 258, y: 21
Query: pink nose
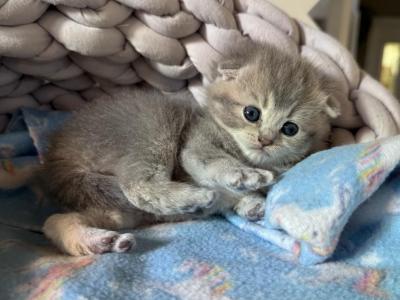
x: 264, y: 141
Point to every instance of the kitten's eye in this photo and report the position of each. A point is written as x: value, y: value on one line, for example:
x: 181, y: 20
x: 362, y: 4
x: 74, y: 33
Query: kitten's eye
x: 251, y: 113
x: 289, y: 129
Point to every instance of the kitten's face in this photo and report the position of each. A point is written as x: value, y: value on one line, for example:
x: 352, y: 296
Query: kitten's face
x: 274, y: 109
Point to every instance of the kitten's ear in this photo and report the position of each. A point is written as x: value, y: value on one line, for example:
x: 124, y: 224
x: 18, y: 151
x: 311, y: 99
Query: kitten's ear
x: 332, y: 107
x: 228, y: 70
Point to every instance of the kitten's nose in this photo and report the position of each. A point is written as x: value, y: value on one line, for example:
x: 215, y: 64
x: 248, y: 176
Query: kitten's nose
x: 264, y: 141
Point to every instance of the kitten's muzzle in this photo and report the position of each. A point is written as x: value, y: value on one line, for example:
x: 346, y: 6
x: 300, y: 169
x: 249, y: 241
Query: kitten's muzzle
x: 265, y: 141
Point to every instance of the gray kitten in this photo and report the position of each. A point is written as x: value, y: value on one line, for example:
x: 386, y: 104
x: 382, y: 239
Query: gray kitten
x: 149, y: 157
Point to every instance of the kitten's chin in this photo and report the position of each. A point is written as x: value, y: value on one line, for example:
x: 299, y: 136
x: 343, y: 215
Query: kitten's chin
x: 268, y: 157
x: 258, y: 157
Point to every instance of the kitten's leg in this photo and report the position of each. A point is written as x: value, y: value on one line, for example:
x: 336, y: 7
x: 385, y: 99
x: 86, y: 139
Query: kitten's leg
x: 214, y: 168
x: 80, y: 233
x: 147, y: 184
x: 170, y: 198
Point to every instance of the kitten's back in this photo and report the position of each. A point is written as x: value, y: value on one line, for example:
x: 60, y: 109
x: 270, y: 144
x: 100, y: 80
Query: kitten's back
x: 131, y: 126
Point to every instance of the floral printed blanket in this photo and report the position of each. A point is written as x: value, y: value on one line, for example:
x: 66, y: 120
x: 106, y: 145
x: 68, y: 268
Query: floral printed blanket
x: 339, y: 208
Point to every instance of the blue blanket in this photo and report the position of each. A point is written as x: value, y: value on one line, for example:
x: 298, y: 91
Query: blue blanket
x: 307, y: 210
x: 340, y: 205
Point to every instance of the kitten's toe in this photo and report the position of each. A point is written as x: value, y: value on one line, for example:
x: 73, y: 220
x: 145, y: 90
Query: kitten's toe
x: 235, y: 179
x: 260, y: 178
x: 251, y: 208
x: 124, y: 243
x: 99, y: 241
x: 256, y: 213
x: 249, y: 179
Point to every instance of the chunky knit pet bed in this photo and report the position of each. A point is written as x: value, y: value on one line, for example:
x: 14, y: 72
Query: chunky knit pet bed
x: 59, y: 54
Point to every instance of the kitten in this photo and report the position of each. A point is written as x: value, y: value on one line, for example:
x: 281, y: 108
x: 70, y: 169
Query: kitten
x: 146, y: 156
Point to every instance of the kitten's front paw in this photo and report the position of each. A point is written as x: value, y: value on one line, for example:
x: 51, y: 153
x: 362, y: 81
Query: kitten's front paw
x: 248, y: 179
x: 251, y: 207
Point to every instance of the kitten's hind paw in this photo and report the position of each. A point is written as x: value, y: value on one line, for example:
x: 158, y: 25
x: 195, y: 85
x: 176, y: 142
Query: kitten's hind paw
x: 249, y: 179
x: 99, y: 241
x: 205, y: 202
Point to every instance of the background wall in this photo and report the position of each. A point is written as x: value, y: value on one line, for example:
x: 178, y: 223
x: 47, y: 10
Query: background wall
x: 370, y: 29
